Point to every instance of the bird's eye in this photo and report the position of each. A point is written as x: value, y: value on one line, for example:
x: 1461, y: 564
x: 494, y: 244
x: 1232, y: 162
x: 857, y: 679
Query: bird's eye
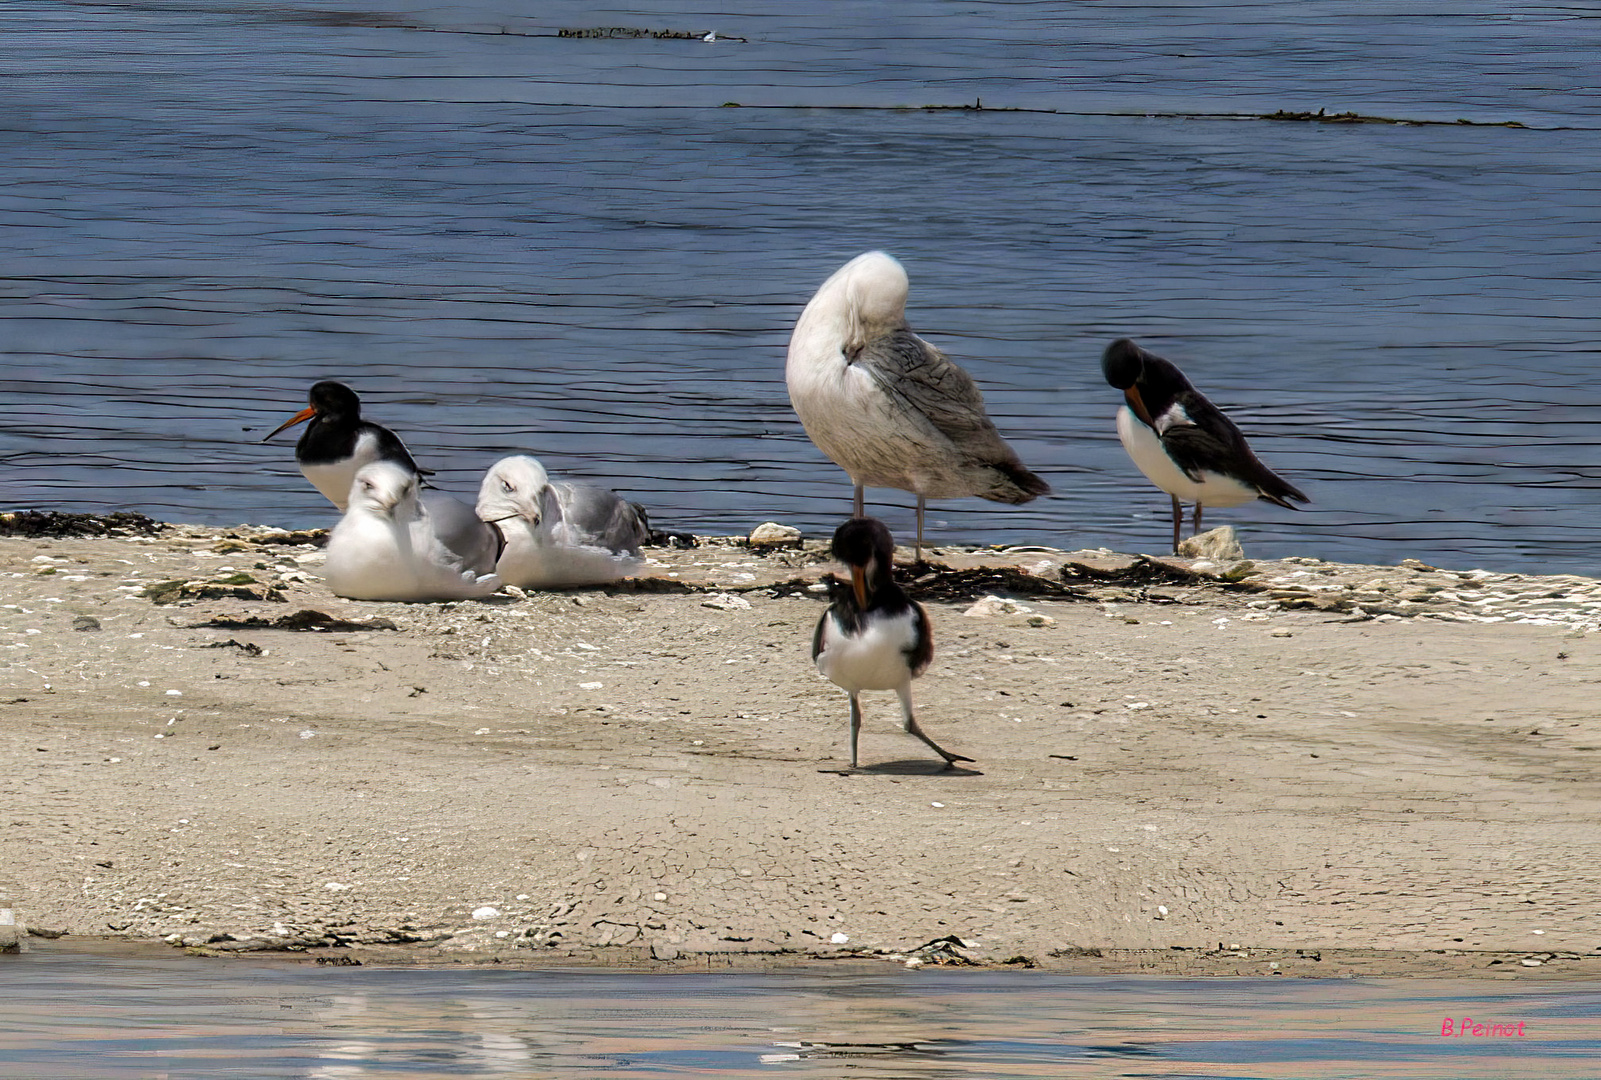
x: 507, y: 486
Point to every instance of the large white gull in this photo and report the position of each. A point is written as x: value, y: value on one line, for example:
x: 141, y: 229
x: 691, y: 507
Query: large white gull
x: 559, y: 534
x: 386, y: 546
x: 885, y: 405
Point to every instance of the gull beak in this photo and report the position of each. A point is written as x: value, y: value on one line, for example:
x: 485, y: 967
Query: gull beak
x: 859, y: 585
x: 300, y: 417
x: 1135, y: 402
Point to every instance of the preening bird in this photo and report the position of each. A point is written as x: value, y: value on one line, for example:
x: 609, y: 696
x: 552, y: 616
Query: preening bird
x: 560, y: 534
x: 886, y: 406
x: 1183, y: 443
x: 874, y: 637
x: 386, y: 547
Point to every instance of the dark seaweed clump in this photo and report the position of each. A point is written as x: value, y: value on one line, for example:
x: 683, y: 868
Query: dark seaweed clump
x: 53, y: 523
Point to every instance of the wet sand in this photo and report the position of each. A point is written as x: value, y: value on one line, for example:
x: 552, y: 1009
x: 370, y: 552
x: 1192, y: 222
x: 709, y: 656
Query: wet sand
x: 1314, y: 769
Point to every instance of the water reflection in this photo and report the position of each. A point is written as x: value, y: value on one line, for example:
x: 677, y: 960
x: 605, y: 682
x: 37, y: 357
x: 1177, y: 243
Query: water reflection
x: 142, y: 1013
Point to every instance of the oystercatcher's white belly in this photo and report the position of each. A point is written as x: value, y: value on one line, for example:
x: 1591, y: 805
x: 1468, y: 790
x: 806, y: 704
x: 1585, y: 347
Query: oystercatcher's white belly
x: 1145, y: 449
x: 875, y: 659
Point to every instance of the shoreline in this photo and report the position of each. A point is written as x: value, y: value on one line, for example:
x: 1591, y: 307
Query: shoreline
x: 1184, y: 767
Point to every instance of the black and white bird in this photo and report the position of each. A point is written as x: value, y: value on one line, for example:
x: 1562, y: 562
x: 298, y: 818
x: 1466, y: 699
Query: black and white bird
x: 386, y: 546
x: 559, y: 534
x: 1183, y: 443
x: 338, y: 443
x: 874, y: 637
x: 886, y: 406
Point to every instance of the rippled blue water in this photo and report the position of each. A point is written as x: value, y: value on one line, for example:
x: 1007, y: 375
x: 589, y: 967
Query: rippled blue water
x: 509, y: 240
x: 76, y: 1014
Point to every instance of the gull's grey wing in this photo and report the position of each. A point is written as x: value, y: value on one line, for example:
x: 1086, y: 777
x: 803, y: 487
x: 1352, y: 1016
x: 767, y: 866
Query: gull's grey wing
x: 925, y: 382
x: 457, y: 526
x: 599, y: 516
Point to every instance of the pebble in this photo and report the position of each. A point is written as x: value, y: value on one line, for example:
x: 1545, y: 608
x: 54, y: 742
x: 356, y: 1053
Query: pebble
x: 486, y: 912
x: 726, y: 602
x: 991, y: 606
x: 772, y: 534
x: 839, y: 939
x: 1281, y: 633
x: 1220, y: 545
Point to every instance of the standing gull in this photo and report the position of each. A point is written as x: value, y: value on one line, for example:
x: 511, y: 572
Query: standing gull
x: 559, y: 534
x: 874, y: 637
x: 885, y: 405
x: 1183, y: 443
x: 338, y: 442
x: 385, y: 547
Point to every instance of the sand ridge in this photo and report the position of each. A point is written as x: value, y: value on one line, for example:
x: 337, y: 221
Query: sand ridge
x: 1310, y: 769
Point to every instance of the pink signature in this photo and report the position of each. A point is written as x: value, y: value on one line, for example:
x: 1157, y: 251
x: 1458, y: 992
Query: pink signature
x: 1468, y: 1026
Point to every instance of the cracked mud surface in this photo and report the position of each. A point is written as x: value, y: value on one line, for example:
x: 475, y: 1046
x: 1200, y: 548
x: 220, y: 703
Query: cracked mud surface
x: 1326, y: 768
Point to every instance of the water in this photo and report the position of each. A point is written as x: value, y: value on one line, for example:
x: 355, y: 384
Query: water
x: 139, y: 1013
x: 508, y: 240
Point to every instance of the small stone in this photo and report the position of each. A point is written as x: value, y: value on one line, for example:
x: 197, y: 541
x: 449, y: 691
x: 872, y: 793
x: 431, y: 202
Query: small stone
x: 772, y: 534
x: 726, y: 602
x: 1219, y: 544
x: 86, y: 622
x: 1041, y: 620
x: 839, y: 939
x: 991, y: 606
x: 486, y: 912
x: 1529, y: 961
x: 1281, y: 632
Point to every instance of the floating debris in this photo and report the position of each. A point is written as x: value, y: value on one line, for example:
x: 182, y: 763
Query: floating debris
x: 630, y: 32
x: 1321, y: 117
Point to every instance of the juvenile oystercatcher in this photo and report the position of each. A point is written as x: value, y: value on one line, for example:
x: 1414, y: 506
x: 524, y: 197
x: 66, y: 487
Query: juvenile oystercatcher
x: 874, y: 637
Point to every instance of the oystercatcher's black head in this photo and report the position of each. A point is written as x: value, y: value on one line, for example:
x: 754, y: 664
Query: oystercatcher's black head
x: 333, y: 402
x: 334, y: 399
x: 866, y: 546
x: 860, y: 541
x: 1123, y: 363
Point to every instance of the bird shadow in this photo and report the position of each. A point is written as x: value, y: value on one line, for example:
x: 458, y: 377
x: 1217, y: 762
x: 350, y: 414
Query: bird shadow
x: 904, y: 767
